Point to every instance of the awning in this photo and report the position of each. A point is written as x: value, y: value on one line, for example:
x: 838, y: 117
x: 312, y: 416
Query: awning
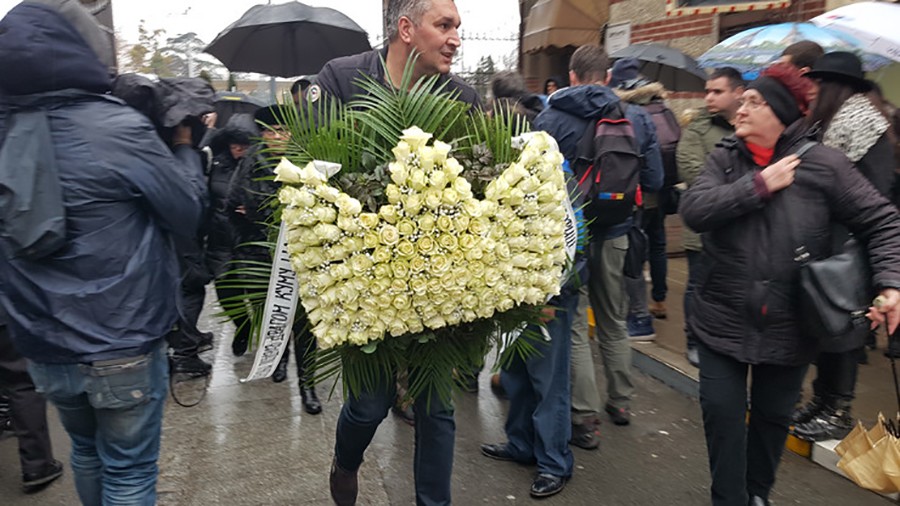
x: 675, y: 8
x: 563, y: 23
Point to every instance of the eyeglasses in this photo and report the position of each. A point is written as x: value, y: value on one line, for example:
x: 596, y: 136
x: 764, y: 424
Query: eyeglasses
x: 751, y: 104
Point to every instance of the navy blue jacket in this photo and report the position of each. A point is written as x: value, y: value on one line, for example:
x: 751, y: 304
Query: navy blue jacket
x: 110, y: 291
x: 570, y: 112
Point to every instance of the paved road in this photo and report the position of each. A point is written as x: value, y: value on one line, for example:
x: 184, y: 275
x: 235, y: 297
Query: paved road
x: 253, y: 445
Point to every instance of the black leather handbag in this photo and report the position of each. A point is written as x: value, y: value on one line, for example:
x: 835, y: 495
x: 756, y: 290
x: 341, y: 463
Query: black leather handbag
x: 835, y: 292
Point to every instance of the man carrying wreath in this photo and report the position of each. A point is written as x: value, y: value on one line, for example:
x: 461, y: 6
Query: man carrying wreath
x: 427, y: 28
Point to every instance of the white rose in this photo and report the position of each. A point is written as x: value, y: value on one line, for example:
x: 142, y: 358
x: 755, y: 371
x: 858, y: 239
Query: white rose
x: 415, y: 137
x: 287, y: 172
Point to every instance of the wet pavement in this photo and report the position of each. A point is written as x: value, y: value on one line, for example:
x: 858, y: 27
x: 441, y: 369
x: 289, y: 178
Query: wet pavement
x: 252, y: 444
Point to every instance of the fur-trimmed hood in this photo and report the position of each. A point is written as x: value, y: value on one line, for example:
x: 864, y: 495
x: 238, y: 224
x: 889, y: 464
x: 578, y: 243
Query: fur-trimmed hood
x: 641, y: 92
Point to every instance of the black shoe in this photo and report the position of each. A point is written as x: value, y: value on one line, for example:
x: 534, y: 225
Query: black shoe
x: 545, y: 485
x: 585, y: 435
x: 405, y: 413
x: 893, y: 350
x: 619, y: 416
x: 239, y: 346
x: 280, y: 373
x: 206, y: 342
x: 343, y: 484
x: 863, y: 357
x: 756, y: 500
x: 311, y: 402
x: 501, y: 452
x: 35, y: 482
x: 830, y: 423
x: 190, y: 365
x: 808, y: 410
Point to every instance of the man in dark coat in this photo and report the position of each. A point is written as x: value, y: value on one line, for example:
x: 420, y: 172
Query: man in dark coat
x: 752, y: 201
x: 428, y: 27
x: 92, y: 314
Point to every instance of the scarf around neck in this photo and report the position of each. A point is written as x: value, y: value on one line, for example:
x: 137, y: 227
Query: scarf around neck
x: 856, y: 127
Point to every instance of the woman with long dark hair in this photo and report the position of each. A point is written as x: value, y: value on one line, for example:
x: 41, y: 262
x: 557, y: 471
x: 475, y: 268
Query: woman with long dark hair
x: 851, y: 120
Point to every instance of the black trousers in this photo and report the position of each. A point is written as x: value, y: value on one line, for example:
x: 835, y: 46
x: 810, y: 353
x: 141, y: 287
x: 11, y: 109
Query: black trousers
x: 28, y: 409
x: 304, y: 344
x: 836, y: 376
x: 185, y: 338
x: 744, y: 457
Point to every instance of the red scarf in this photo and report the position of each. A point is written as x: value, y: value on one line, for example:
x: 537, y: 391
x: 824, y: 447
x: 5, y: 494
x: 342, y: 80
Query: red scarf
x: 761, y: 156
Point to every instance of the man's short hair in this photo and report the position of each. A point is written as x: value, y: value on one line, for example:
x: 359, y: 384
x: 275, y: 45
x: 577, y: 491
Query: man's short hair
x: 589, y: 63
x: 803, y: 53
x: 396, y: 9
x: 508, y: 84
x: 735, y: 79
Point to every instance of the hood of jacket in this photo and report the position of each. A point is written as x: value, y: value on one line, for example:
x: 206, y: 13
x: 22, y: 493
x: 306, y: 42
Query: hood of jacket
x: 48, y: 52
x: 586, y: 101
x: 640, y: 92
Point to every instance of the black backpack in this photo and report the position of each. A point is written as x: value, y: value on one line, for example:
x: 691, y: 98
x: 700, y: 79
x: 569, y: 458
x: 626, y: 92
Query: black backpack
x: 608, y: 168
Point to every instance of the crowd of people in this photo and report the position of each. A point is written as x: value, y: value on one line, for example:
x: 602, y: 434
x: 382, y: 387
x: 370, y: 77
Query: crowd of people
x: 103, y: 275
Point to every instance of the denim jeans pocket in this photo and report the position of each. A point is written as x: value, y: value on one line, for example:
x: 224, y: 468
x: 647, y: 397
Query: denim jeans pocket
x: 121, y: 386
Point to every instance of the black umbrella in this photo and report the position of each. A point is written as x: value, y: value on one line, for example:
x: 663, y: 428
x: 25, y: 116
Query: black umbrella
x: 229, y: 103
x: 667, y: 66
x: 287, y: 39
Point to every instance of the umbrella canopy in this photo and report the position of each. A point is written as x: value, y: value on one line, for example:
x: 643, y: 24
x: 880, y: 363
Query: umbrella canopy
x: 667, y: 66
x: 229, y: 103
x: 752, y: 50
x: 287, y: 39
x: 875, y: 25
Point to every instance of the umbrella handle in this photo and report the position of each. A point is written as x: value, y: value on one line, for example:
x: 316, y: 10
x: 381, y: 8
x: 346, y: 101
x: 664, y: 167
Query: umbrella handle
x: 894, y: 370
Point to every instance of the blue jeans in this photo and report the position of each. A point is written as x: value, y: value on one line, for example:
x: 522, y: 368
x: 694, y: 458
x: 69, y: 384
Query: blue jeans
x: 539, y: 424
x: 113, y: 413
x: 435, y: 437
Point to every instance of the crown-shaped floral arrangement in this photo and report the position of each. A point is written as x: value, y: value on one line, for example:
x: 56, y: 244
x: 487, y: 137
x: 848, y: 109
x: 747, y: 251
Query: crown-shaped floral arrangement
x: 435, y: 255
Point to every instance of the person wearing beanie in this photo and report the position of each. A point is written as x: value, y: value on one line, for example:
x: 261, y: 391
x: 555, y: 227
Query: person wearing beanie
x: 90, y: 291
x: 746, y: 314
x: 849, y: 121
x: 631, y: 87
x: 248, y: 212
x: 624, y: 70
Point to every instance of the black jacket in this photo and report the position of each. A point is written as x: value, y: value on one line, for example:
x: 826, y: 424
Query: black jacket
x: 748, y: 284
x: 338, y: 77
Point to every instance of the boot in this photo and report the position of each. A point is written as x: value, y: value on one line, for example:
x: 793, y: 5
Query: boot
x: 834, y: 422
x: 809, y: 410
x: 280, y: 373
x: 311, y: 402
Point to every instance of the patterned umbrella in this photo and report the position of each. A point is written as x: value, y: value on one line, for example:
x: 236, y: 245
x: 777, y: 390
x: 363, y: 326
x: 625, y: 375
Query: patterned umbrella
x: 752, y: 50
x: 873, y: 24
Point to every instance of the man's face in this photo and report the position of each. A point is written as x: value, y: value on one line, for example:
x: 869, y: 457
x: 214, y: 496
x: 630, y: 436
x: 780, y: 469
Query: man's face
x: 721, y: 98
x: 238, y: 150
x: 436, y: 38
x: 276, y: 138
x: 755, y: 121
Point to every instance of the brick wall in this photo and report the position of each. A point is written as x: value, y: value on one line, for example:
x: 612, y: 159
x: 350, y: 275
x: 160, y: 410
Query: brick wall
x: 675, y: 28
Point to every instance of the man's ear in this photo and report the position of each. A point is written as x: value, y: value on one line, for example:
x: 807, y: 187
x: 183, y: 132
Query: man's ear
x: 405, y: 28
x: 608, y: 77
x: 573, y: 79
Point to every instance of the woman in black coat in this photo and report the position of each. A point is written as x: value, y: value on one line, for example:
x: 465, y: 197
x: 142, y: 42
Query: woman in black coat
x: 850, y: 122
x: 754, y: 203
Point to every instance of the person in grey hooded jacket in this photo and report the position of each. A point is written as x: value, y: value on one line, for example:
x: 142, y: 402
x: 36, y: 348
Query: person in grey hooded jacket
x: 91, y: 312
